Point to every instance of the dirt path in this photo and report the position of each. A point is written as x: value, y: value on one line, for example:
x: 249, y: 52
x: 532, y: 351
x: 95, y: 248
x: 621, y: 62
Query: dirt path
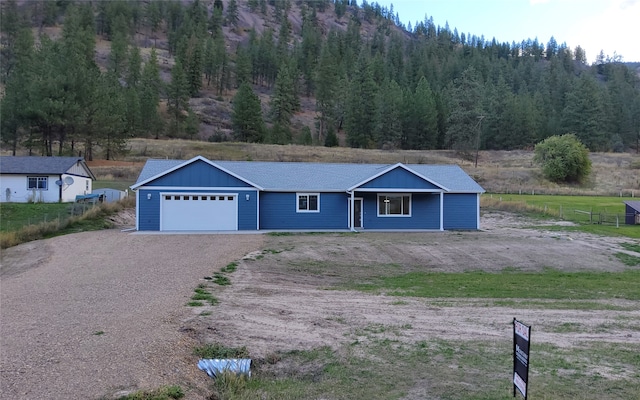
x: 97, y: 313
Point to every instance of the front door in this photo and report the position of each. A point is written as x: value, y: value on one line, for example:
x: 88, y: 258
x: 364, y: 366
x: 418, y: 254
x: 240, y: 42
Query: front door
x: 357, y: 208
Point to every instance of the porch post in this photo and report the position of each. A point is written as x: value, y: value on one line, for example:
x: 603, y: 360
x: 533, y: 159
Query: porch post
x: 478, y: 211
x: 352, y: 212
x: 441, y: 211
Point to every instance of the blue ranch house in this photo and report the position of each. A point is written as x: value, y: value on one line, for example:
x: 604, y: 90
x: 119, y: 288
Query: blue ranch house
x: 204, y: 195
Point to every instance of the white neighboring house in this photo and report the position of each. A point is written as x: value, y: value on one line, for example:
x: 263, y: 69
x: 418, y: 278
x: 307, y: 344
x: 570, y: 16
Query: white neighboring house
x: 43, y: 179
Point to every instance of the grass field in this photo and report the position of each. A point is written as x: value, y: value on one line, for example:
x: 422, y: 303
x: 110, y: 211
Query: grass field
x: 600, y: 215
x: 549, y: 284
x: 14, y: 216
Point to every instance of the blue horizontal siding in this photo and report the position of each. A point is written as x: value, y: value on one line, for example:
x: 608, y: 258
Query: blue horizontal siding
x: 460, y: 211
x: 278, y: 211
x: 149, y: 209
x: 399, y: 178
x: 425, y: 213
x: 198, y: 174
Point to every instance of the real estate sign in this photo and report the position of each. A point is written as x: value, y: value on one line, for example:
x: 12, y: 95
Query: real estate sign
x: 521, y: 335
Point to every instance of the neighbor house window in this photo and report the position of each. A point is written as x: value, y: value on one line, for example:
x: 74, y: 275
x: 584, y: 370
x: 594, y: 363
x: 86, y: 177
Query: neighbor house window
x: 37, y: 182
x: 308, y: 202
x: 394, y: 204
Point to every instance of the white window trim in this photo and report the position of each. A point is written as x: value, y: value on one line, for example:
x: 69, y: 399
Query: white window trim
x: 298, y: 195
x: 38, y: 179
x: 394, y: 215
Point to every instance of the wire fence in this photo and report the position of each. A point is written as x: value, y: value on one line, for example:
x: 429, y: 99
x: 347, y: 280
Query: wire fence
x: 57, y: 218
x: 578, y: 213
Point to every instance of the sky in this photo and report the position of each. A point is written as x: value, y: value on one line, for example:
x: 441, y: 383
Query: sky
x: 594, y: 25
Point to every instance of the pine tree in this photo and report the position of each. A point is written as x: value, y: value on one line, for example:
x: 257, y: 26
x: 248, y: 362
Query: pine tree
x: 326, y: 81
x: 421, y: 118
x: 119, y: 45
x: 389, y: 121
x: 584, y: 114
x: 193, y: 64
x: 248, y: 125
x: 361, y: 107
x: 466, y: 111
x: 134, y: 62
x: 150, y: 88
x: 284, y: 101
x: 177, y: 98
x: 232, y: 13
x: 243, y: 66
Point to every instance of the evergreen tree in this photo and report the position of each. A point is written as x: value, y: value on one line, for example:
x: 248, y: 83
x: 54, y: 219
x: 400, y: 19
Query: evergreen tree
x: 193, y: 64
x: 113, y: 113
x: 248, y: 125
x: 361, y: 107
x: 332, y: 138
x: 177, y: 99
x: 232, y: 14
x: 150, y: 88
x: 192, y: 125
x: 584, y: 114
x: 243, y: 66
x: 326, y: 81
x: 134, y: 62
x: 420, y: 121
x: 284, y: 101
x: 466, y: 111
x: 389, y: 122
x: 119, y: 44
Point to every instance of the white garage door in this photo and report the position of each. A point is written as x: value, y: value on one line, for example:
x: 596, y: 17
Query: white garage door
x: 199, y: 212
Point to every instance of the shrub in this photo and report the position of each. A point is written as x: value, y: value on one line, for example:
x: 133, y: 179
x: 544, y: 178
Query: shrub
x: 563, y: 159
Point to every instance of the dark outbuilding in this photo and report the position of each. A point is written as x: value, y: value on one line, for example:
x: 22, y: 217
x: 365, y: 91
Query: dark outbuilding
x: 632, y: 213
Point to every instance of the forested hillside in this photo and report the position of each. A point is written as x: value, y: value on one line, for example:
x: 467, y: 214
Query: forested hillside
x: 83, y: 77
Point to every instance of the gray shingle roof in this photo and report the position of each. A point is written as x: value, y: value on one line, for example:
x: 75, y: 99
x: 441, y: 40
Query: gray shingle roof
x: 37, y: 165
x: 294, y: 176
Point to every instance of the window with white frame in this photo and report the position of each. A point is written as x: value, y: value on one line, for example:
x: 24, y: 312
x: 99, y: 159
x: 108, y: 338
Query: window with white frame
x: 394, y: 204
x: 308, y: 202
x: 37, y: 182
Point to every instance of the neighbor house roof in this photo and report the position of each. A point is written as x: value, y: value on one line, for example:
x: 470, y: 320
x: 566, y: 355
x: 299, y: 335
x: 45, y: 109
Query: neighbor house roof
x: 633, y: 204
x: 40, y: 165
x: 299, y: 176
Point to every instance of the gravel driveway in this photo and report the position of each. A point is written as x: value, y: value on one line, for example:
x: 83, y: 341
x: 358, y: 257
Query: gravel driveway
x: 94, y: 314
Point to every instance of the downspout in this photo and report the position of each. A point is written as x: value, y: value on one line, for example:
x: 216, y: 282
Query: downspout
x: 60, y: 189
x: 442, y: 211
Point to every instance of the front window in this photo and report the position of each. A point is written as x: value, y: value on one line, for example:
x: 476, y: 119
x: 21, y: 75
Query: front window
x: 394, y: 204
x: 37, y: 182
x: 308, y: 202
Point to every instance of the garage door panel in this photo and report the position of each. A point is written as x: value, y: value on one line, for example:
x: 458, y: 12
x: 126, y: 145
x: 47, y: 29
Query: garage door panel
x: 201, y: 212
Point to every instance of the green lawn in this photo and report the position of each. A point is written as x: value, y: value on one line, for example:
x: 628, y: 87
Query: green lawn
x: 14, y: 216
x: 549, y: 284
x: 119, y: 185
x: 576, y: 209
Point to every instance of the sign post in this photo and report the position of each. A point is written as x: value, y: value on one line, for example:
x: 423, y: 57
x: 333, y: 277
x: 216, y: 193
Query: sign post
x: 521, y: 335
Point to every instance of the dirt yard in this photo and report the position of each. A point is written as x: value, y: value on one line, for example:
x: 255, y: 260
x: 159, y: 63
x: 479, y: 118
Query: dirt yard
x: 96, y: 314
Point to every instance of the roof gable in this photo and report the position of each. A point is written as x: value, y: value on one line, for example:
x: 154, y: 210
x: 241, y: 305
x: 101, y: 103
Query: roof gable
x: 398, y: 176
x: 45, y: 165
x: 196, y: 172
